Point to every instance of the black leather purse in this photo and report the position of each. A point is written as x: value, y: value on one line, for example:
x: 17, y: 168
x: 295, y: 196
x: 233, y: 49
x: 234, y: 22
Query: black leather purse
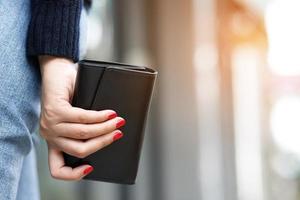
x: 127, y: 89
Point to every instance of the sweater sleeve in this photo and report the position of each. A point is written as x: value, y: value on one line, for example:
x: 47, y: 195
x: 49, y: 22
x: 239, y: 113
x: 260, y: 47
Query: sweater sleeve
x: 54, y: 28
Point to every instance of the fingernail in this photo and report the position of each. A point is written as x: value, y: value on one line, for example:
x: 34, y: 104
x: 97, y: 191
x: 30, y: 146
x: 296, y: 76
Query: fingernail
x: 88, y: 170
x: 118, y: 136
x: 120, y: 123
x: 111, y: 116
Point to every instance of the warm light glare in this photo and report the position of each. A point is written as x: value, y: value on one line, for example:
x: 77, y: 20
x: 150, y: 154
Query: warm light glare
x: 282, y: 23
x: 285, y: 124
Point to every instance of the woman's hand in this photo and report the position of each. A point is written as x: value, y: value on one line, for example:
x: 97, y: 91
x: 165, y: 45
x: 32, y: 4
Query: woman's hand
x: 76, y: 131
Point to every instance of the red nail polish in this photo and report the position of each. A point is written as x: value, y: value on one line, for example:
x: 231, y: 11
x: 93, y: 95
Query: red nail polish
x: 120, y: 123
x: 88, y: 170
x: 118, y: 136
x: 111, y: 116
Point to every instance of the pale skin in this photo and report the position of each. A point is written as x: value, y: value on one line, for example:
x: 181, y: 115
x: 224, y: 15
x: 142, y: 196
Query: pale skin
x: 75, y: 131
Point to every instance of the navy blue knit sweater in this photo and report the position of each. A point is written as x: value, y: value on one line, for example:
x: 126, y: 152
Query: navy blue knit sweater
x: 54, y: 28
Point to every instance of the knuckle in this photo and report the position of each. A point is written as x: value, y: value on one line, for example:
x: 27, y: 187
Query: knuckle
x: 82, y: 118
x: 49, y: 111
x: 49, y: 115
x: 101, y: 144
x: 104, y: 143
x: 54, y: 174
x: 81, y: 152
x: 43, y: 129
x: 108, y: 142
x: 43, y: 124
x: 106, y: 127
x: 82, y: 133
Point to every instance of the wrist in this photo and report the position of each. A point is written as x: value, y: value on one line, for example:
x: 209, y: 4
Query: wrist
x: 48, y: 58
x: 52, y: 64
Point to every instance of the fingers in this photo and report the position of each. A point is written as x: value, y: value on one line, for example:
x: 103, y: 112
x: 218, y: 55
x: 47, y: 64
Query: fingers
x: 82, y: 149
x: 79, y: 115
x: 87, y: 131
x: 58, y: 169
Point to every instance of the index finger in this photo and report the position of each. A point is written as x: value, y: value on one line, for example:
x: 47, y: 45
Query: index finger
x: 79, y: 115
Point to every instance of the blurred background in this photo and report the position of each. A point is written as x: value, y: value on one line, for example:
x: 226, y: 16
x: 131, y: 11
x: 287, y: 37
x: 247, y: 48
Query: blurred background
x: 225, y: 116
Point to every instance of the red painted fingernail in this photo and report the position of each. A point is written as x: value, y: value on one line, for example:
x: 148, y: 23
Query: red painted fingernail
x: 88, y: 170
x: 111, y: 116
x: 120, y: 123
x: 118, y: 136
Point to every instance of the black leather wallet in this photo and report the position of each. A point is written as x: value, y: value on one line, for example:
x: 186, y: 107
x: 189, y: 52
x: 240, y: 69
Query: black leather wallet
x: 126, y: 89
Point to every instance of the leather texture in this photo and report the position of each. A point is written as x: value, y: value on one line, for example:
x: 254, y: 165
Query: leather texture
x: 127, y: 89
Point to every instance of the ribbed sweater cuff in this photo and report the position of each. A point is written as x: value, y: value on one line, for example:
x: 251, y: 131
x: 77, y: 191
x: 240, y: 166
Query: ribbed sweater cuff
x: 54, y: 29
